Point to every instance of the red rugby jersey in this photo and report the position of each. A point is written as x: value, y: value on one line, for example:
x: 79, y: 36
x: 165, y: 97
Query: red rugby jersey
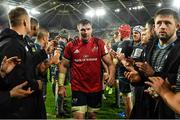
x: 85, y: 60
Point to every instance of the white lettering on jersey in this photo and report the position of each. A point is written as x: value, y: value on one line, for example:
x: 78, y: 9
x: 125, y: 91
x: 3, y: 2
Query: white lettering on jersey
x: 85, y: 59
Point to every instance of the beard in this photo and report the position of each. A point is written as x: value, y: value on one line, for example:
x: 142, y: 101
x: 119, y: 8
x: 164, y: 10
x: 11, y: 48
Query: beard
x: 84, y: 35
x: 164, y: 37
x: 84, y: 38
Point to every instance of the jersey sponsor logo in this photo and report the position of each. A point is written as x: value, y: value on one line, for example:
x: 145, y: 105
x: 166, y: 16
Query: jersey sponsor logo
x: 76, y: 51
x: 26, y: 48
x: 138, y: 52
x: 85, y: 60
x: 119, y: 50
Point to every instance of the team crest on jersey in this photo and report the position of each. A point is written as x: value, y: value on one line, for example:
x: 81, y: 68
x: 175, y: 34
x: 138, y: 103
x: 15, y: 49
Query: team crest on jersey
x: 76, y: 51
x: 95, y: 48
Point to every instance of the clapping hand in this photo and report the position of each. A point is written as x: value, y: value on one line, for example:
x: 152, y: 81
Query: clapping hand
x: 146, y: 68
x: 19, y: 92
x: 158, y: 85
x: 8, y: 64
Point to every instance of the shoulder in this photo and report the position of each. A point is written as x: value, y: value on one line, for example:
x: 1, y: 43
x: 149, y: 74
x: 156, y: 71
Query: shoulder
x: 11, y: 39
x: 69, y: 44
x: 126, y: 43
x: 95, y: 38
x: 98, y: 41
x: 12, y: 46
x: 177, y: 42
x: 9, y: 42
x: 74, y: 42
x: 152, y: 42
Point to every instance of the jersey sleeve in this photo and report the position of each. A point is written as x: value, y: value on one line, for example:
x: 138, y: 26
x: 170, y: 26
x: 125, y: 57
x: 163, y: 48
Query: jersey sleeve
x: 103, y: 49
x: 67, y: 51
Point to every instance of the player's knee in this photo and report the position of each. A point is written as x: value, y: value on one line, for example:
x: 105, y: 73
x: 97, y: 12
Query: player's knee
x: 79, y: 111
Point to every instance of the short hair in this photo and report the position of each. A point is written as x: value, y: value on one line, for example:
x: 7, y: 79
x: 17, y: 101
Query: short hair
x: 84, y: 22
x: 150, y: 22
x: 167, y: 11
x: 15, y: 15
x: 34, y: 22
x: 42, y: 33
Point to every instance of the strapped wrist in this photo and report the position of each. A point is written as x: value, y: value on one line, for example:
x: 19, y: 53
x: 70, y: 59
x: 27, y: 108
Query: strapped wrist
x: 61, y: 79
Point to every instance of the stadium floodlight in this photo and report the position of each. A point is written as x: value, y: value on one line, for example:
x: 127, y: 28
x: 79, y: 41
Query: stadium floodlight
x: 135, y: 8
x: 34, y: 12
x: 176, y: 3
x: 100, y: 12
x: 117, y: 10
x: 159, y: 4
x: 139, y: 7
x: 11, y: 7
x: 90, y: 13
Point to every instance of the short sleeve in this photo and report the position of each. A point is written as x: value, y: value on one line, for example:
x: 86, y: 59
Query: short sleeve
x: 102, y: 47
x: 67, y: 51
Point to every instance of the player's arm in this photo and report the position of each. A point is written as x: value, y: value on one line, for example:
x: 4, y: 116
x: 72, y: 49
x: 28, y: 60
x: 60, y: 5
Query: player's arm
x: 173, y: 100
x: 108, y: 61
x: 65, y: 63
x: 63, y: 70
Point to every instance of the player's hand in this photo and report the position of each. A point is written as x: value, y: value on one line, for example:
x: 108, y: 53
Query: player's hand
x: 110, y: 80
x: 19, y: 92
x: 145, y: 67
x: 133, y: 76
x: 159, y: 85
x: 62, y: 91
x: 8, y: 64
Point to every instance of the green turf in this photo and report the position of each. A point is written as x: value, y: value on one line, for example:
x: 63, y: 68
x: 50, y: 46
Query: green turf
x: 108, y: 110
